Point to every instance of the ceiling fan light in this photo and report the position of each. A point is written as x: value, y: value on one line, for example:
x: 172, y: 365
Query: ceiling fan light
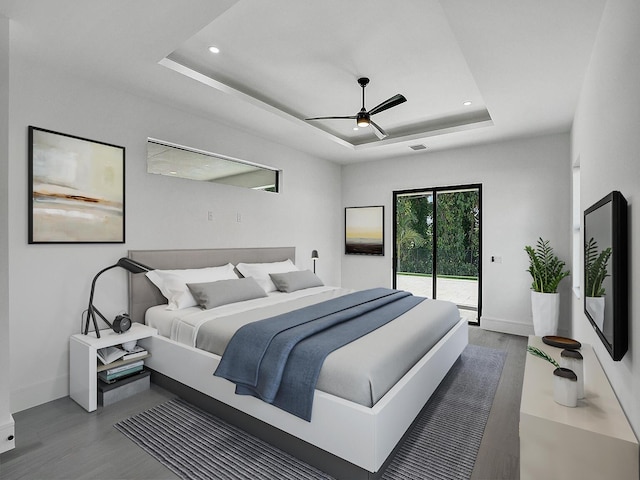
x: 362, y: 119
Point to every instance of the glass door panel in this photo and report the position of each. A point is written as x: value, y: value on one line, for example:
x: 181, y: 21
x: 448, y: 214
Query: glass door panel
x: 458, y: 249
x: 414, y: 243
x: 437, y: 245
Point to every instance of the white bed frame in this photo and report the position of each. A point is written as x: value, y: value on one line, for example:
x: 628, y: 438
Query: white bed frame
x: 361, y: 436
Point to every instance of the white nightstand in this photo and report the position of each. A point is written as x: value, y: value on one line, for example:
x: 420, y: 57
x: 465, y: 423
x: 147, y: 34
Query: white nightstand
x: 83, y: 382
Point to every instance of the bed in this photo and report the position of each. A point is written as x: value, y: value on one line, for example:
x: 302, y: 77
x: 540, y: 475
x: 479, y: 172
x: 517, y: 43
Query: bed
x: 345, y: 437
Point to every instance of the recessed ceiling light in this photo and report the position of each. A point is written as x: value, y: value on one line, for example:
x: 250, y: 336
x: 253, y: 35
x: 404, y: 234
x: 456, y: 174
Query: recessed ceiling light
x: 356, y: 128
x: 467, y: 103
x: 214, y: 49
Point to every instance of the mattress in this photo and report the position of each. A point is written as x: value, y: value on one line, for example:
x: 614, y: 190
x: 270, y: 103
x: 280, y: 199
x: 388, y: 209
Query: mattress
x: 361, y: 372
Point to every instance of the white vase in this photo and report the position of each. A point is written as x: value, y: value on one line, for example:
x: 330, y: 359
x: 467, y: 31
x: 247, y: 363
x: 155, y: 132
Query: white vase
x: 545, y: 308
x: 595, y: 307
x: 572, y: 360
x: 565, y: 387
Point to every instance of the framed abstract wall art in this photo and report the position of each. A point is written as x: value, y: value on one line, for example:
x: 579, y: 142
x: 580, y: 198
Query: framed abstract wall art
x: 364, y: 230
x: 76, y: 189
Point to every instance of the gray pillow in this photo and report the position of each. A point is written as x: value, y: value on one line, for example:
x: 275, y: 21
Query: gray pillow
x: 292, y: 281
x: 214, y: 294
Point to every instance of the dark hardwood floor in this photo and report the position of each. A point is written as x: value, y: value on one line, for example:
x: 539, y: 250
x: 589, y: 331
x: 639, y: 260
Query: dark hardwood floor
x: 498, y: 457
x: 60, y: 440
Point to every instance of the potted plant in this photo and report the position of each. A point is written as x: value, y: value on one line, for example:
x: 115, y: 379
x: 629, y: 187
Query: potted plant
x: 595, y: 273
x: 547, y: 272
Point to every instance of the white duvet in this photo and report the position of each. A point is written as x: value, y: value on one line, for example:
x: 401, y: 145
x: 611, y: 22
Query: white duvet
x: 183, y: 325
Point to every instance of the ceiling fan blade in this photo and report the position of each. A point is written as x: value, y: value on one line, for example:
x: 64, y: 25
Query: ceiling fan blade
x: 352, y: 117
x: 380, y: 133
x: 389, y: 103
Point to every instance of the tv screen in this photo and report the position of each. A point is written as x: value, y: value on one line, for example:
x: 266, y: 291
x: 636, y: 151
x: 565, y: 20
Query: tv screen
x: 605, y: 272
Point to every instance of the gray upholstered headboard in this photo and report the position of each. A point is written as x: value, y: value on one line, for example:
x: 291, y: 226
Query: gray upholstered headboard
x: 143, y: 294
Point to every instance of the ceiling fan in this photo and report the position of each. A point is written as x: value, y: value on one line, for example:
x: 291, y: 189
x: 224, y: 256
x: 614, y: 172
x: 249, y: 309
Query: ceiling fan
x: 363, y: 117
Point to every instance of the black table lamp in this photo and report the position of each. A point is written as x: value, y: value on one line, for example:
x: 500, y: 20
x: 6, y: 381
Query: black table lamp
x: 314, y: 256
x: 122, y: 322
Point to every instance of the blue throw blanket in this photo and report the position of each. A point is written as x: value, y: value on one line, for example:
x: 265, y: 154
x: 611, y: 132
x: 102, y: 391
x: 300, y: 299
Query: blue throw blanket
x: 279, y: 359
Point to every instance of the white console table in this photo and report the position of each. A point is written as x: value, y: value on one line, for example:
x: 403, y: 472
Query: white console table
x: 591, y: 441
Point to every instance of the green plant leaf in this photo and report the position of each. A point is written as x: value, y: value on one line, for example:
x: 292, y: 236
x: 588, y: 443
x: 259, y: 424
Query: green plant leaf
x: 595, y: 268
x: 545, y: 267
x: 539, y: 353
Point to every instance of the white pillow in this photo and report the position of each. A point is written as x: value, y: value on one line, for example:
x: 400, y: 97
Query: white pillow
x: 260, y: 272
x: 173, y: 283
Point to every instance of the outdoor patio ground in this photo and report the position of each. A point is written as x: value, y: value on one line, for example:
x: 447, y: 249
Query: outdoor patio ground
x: 463, y: 293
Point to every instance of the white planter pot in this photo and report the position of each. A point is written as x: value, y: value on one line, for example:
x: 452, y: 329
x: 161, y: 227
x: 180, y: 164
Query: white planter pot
x: 565, y: 387
x: 572, y: 360
x: 595, y: 307
x: 545, y: 308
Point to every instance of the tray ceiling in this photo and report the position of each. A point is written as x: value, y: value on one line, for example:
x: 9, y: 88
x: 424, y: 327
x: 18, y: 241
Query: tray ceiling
x: 520, y: 64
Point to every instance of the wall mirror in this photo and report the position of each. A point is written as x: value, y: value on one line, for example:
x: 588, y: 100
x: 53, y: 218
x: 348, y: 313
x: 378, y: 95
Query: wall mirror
x: 605, y: 272
x: 164, y: 158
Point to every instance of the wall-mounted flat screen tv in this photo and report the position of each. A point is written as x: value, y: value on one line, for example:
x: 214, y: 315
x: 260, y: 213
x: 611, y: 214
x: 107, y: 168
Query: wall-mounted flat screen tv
x: 606, y: 272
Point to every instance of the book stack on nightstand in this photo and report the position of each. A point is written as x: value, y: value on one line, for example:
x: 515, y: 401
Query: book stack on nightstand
x: 121, y: 373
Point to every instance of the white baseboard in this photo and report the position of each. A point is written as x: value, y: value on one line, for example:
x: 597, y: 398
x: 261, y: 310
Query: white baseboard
x: 506, y: 326
x: 7, y: 435
x: 39, y: 393
x: 511, y: 327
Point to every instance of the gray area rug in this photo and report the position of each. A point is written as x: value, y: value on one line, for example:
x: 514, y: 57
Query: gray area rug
x: 443, y: 443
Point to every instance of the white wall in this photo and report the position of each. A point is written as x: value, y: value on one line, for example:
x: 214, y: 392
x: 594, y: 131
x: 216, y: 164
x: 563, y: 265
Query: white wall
x: 605, y: 138
x: 5, y: 410
x: 50, y: 283
x: 526, y: 194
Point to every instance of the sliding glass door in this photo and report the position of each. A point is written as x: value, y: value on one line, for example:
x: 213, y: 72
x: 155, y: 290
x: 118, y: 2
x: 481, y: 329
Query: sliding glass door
x: 437, y: 241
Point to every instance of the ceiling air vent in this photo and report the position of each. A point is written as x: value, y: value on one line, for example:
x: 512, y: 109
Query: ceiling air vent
x: 417, y: 147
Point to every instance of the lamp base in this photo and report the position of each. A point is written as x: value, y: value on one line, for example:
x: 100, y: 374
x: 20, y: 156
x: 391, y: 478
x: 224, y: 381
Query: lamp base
x: 91, y: 318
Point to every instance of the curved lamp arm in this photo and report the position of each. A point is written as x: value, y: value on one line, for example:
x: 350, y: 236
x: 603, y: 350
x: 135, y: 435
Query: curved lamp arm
x: 126, y: 263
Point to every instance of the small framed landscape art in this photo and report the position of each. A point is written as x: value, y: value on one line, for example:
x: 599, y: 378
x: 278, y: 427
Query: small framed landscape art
x: 364, y: 230
x: 76, y: 189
